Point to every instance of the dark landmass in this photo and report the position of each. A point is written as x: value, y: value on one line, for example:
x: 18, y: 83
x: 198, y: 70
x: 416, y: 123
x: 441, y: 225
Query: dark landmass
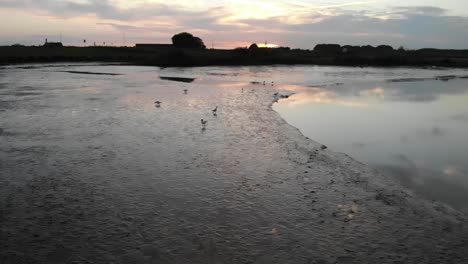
x: 177, y: 79
x: 171, y: 56
x: 92, y: 73
x: 437, y: 78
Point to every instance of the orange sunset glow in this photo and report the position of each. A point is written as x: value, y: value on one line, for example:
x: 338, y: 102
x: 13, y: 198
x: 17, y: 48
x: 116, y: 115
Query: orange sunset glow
x: 233, y: 24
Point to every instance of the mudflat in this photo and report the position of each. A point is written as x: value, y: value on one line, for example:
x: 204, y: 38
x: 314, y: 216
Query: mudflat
x: 92, y: 172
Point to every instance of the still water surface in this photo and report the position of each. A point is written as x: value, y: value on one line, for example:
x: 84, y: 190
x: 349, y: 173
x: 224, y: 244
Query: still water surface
x: 411, y: 124
x: 404, y: 122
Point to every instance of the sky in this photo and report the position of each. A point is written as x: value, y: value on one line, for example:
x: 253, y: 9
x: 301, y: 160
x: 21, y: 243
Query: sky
x: 302, y: 24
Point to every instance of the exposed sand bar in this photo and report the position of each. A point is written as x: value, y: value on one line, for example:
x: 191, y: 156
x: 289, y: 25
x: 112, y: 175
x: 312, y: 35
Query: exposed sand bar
x: 102, y: 176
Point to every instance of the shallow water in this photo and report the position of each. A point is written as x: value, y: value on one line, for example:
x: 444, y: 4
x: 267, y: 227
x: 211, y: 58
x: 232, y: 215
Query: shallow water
x: 403, y: 122
x: 92, y: 171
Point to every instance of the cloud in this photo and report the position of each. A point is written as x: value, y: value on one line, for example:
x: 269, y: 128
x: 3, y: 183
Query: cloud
x: 128, y: 28
x: 419, y: 10
x: 104, y: 9
x: 461, y: 117
x: 66, y: 8
x: 430, y: 184
x: 412, y: 27
x: 421, y: 91
x: 296, y: 24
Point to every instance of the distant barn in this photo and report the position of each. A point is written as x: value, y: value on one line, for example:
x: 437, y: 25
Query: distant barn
x: 154, y: 46
x: 328, y: 48
x: 53, y: 44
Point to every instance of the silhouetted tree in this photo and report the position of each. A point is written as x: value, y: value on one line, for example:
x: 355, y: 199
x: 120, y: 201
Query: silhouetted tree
x: 254, y: 46
x: 385, y: 48
x: 328, y: 48
x: 187, y: 40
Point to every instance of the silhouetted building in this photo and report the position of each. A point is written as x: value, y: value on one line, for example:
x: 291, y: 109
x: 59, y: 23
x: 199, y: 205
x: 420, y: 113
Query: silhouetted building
x: 154, y: 46
x: 53, y: 44
x: 328, y: 48
x: 385, y: 48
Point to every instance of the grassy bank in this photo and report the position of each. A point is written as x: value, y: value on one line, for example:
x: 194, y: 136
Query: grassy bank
x: 167, y: 57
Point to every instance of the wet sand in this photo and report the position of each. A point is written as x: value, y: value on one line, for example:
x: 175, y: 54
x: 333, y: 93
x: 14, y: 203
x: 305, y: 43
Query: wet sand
x: 94, y: 175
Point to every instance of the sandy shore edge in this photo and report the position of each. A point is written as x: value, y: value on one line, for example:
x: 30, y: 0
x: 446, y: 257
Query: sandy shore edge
x: 370, y: 179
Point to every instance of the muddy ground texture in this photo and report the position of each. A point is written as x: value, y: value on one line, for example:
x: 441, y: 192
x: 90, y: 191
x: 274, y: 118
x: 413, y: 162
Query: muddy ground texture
x: 91, y: 177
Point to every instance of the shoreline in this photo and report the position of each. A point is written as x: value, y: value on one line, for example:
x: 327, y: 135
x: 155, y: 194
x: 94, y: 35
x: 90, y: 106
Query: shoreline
x: 135, y: 186
x: 382, y: 181
x: 180, y: 57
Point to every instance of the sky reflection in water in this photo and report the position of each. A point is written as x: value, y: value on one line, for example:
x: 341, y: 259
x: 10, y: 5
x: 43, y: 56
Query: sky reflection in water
x: 413, y: 131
